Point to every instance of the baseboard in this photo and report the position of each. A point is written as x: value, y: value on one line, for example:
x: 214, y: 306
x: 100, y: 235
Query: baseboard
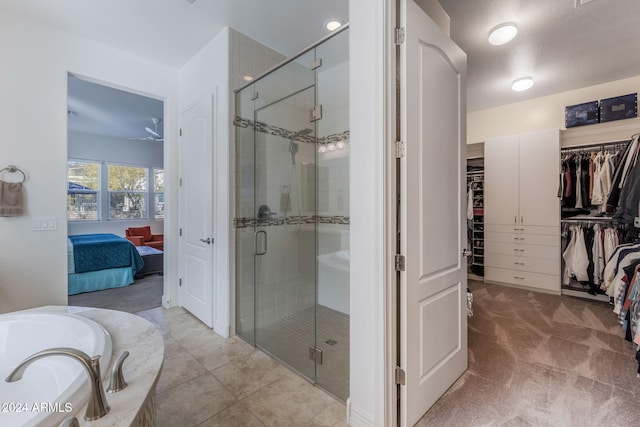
x: 523, y: 287
x: 357, y: 417
x: 222, y: 330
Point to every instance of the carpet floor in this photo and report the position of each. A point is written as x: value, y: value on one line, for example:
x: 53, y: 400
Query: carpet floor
x: 143, y: 294
x: 541, y: 360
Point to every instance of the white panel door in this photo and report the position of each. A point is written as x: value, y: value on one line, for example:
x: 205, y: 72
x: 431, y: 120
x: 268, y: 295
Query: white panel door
x: 501, y: 180
x: 539, y: 178
x: 433, y: 288
x: 196, y: 209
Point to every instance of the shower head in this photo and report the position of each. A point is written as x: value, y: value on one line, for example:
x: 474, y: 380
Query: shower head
x: 293, y: 147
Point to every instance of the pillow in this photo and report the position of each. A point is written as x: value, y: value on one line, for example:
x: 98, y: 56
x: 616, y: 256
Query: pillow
x: 145, y: 232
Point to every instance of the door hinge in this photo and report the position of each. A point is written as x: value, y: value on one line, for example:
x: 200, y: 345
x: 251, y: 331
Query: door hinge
x: 316, y: 64
x: 180, y: 282
x: 315, y: 354
x: 398, y: 36
x: 180, y: 132
x: 399, y: 149
x: 180, y: 182
x: 400, y: 262
x: 400, y: 375
x: 181, y: 232
x: 316, y: 113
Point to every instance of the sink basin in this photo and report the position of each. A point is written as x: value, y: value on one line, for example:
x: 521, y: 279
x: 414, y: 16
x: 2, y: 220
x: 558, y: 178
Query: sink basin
x: 55, y: 387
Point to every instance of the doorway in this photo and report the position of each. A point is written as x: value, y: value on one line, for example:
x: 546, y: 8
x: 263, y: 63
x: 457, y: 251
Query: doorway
x: 115, y: 181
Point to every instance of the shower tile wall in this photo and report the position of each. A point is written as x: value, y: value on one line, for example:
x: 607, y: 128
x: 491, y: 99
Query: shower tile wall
x: 248, y: 57
x: 333, y: 167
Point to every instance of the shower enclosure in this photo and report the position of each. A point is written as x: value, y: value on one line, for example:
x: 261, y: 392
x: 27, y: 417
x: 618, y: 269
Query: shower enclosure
x: 292, y: 213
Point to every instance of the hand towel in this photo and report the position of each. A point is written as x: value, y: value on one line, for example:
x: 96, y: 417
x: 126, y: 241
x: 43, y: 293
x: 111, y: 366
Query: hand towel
x: 11, y: 198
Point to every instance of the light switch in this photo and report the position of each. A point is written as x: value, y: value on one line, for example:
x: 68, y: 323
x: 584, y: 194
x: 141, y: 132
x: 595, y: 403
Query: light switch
x: 45, y: 223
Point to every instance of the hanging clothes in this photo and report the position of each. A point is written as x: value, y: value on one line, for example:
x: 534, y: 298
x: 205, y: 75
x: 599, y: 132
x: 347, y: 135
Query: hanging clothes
x: 597, y: 197
x: 597, y: 254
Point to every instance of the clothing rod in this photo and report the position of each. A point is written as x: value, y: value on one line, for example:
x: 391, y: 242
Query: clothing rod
x: 587, y: 146
x: 594, y: 219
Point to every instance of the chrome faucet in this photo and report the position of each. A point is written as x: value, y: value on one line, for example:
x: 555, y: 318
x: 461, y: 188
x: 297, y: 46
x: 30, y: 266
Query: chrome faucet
x: 97, y: 406
x: 117, y: 382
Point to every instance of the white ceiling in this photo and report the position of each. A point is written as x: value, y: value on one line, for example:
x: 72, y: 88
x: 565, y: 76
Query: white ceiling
x: 561, y: 46
x: 169, y: 32
x: 103, y: 110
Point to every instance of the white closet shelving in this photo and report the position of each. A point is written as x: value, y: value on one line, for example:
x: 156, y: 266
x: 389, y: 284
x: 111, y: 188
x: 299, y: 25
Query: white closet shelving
x: 475, y: 179
x: 522, y: 210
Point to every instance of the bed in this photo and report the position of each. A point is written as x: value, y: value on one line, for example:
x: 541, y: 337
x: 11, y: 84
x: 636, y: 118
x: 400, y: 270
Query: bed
x: 101, y: 261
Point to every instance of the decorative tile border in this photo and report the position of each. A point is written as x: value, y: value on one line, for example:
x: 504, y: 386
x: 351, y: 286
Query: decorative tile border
x: 292, y: 220
x: 284, y: 133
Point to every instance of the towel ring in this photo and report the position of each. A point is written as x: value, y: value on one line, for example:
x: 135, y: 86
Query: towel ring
x: 14, y: 169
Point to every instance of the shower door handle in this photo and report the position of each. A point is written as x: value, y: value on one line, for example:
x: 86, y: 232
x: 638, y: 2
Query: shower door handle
x: 255, y: 242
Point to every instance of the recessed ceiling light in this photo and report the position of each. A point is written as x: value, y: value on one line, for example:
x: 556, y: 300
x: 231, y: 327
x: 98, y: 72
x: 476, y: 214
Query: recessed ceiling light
x: 503, y: 33
x: 333, y: 24
x: 247, y: 78
x: 522, y: 84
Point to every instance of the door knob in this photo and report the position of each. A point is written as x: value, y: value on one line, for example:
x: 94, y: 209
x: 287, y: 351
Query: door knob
x: 207, y: 241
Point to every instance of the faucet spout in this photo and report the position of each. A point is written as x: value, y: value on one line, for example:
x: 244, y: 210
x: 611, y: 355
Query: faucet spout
x: 97, y: 406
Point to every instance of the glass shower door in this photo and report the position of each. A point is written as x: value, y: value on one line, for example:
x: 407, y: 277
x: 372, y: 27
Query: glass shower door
x: 285, y: 231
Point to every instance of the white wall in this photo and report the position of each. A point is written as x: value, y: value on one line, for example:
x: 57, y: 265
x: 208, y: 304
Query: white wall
x: 33, y: 84
x: 366, y: 171
x: 541, y: 113
x: 206, y: 75
x: 84, y: 146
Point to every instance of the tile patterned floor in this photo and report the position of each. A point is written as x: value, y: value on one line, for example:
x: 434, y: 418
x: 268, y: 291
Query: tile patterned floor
x: 211, y: 381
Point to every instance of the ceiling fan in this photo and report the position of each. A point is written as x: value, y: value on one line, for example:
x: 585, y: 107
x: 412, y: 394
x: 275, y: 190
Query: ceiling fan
x: 153, y: 133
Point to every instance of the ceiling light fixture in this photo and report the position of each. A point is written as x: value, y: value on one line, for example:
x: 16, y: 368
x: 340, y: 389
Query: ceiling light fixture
x: 247, y: 77
x: 333, y: 24
x: 522, y: 84
x: 503, y: 33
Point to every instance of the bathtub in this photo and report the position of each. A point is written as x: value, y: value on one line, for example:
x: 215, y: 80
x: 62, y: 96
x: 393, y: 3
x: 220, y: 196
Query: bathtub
x: 52, y: 388
x: 333, y: 280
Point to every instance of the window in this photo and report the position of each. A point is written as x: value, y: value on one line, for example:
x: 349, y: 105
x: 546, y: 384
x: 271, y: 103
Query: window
x: 158, y: 192
x: 83, y: 191
x: 127, y: 192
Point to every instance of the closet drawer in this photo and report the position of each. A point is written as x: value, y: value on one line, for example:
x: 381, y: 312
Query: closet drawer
x: 522, y: 250
x: 523, y: 263
x: 520, y: 239
x: 523, y: 278
x: 522, y: 229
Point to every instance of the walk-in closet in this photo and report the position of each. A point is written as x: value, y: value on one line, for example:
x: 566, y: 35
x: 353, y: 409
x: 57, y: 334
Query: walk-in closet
x: 560, y: 215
